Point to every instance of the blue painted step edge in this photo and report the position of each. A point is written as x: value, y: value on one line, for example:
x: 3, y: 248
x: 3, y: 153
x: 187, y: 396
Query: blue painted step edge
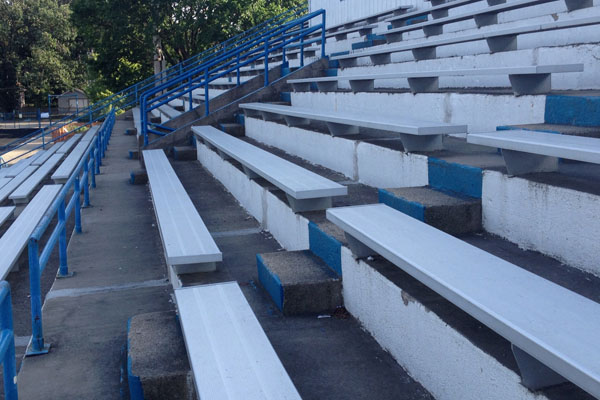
x: 136, y: 392
x: 411, y: 208
x: 326, y: 247
x: 455, y: 178
x: 270, y: 282
x: 572, y: 110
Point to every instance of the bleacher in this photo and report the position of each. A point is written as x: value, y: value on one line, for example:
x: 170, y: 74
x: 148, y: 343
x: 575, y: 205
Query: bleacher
x: 425, y: 199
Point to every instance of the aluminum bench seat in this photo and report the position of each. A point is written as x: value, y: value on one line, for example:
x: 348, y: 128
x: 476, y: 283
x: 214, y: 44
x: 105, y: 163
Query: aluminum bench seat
x: 15, y: 182
x: 50, y: 151
x: 553, y: 331
x: 66, y: 168
x: 400, y: 10
x: 416, y: 135
x: 169, y: 111
x: 4, y: 182
x: 21, y: 165
x: 90, y: 134
x: 436, y: 11
x: 188, y: 245
x: 6, y: 213
x: 305, y: 190
x: 525, y: 80
x: 17, y: 236
x: 24, y: 191
x: 68, y: 145
x: 497, y: 40
x: 531, y: 151
x: 483, y: 17
x: 230, y: 355
x: 363, y: 30
x: 137, y: 120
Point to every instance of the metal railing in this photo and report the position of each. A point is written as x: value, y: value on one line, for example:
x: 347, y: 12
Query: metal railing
x: 82, y: 178
x: 292, y: 34
x: 129, y: 97
x: 7, y: 343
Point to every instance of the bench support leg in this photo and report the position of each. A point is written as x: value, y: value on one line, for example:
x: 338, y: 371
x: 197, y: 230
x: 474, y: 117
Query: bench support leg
x: 519, y: 163
x: 267, y: 116
x: 251, y: 113
x: 366, y: 85
x: 302, y: 205
x: 436, y: 14
x: 578, y: 4
x: 380, y: 59
x: 295, y: 121
x: 393, y: 37
x: 181, y: 269
x: 365, y: 32
x: 341, y: 36
x: 249, y: 173
x: 534, y: 374
x: 424, y: 53
x: 486, y: 19
x: 498, y: 44
x: 347, y: 62
x: 330, y: 86
x: 530, y: 83
x: 423, y: 85
x: 223, y: 156
x: 301, y: 87
x: 433, y: 30
x: 421, y: 143
x: 359, y: 249
x: 336, y: 129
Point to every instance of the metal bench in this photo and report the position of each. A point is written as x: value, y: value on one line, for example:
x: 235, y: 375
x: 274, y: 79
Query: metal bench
x: 482, y: 17
x: 552, y: 329
x: 63, y: 173
x: 50, y: 150
x: 137, y: 120
x: 362, y: 30
x: 531, y: 151
x: 305, y: 190
x: 230, y: 355
x: 17, y: 236
x: 90, y: 134
x: 438, y: 10
x: 6, y: 213
x: 498, y: 41
x: 4, y: 182
x: 22, y: 193
x: 68, y: 145
x: 15, y: 182
x: 371, y: 18
x: 188, y: 245
x: 525, y: 80
x: 21, y: 165
x: 168, y: 112
x: 415, y: 135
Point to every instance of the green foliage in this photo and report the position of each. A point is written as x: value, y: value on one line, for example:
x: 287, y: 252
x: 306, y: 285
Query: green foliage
x: 37, y: 43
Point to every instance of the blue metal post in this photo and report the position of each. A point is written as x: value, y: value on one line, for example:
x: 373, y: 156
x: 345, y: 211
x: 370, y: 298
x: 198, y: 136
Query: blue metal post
x: 191, y: 96
x: 35, y: 293
x: 86, y: 186
x: 62, y: 240
x: 238, y: 69
x: 267, y: 62
x: 323, y: 39
x: 206, y: 99
x: 8, y: 344
x: 94, y: 167
x: 77, y: 194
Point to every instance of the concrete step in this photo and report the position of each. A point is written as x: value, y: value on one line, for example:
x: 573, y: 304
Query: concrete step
x: 158, y: 366
x: 232, y: 128
x: 299, y: 282
x: 451, y: 213
x: 184, y: 153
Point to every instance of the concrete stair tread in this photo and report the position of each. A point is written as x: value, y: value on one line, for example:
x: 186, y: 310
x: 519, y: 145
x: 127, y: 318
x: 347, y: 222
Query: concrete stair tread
x: 587, y: 131
x: 431, y: 197
x: 298, y: 267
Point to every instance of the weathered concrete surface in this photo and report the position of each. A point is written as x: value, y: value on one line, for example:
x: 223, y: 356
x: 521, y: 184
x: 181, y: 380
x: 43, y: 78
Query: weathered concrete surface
x: 304, y: 284
x: 119, y: 272
x: 157, y: 358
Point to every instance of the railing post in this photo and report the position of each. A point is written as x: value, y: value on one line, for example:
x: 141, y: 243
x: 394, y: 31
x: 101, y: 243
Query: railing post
x: 266, y: 62
x: 191, y: 96
x: 94, y: 167
x: 86, y: 186
x: 77, y: 194
x: 8, y: 361
x: 206, y: 99
x: 238, y: 69
x: 323, y: 39
x: 63, y: 270
x: 38, y: 346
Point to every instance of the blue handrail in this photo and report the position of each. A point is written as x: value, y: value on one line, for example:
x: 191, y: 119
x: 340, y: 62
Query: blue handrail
x: 129, y: 97
x: 200, y: 76
x: 82, y: 178
x: 7, y: 343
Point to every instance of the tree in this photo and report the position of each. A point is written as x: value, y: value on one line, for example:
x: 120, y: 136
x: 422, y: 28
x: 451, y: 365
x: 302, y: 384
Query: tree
x: 36, y: 48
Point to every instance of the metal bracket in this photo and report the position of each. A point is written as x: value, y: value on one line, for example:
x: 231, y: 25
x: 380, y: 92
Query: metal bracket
x: 33, y: 353
x: 433, y: 30
x: 301, y: 86
x: 295, y: 121
x: 68, y: 275
x: 336, y: 129
x: 423, y: 85
x: 424, y: 53
x: 181, y: 269
x: 359, y: 249
x: 499, y: 44
x: 363, y: 85
x: 341, y: 36
x: 442, y: 13
x: 495, y: 2
x: 303, y: 205
x: 347, y: 62
x: 534, y: 374
x: 519, y: 163
x: 578, y: 4
x: 327, y: 86
x: 530, y: 83
x: 421, y: 143
x: 251, y: 113
x: 486, y: 19
x: 379, y: 59
x: 249, y: 173
x: 269, y: 116
x: 224, y: 156
x: 393, y: 37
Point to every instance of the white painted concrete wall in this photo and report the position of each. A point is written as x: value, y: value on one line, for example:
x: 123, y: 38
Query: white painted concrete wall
x: 562, y: 223
x: 436, y: 355
x: 340, y: 11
